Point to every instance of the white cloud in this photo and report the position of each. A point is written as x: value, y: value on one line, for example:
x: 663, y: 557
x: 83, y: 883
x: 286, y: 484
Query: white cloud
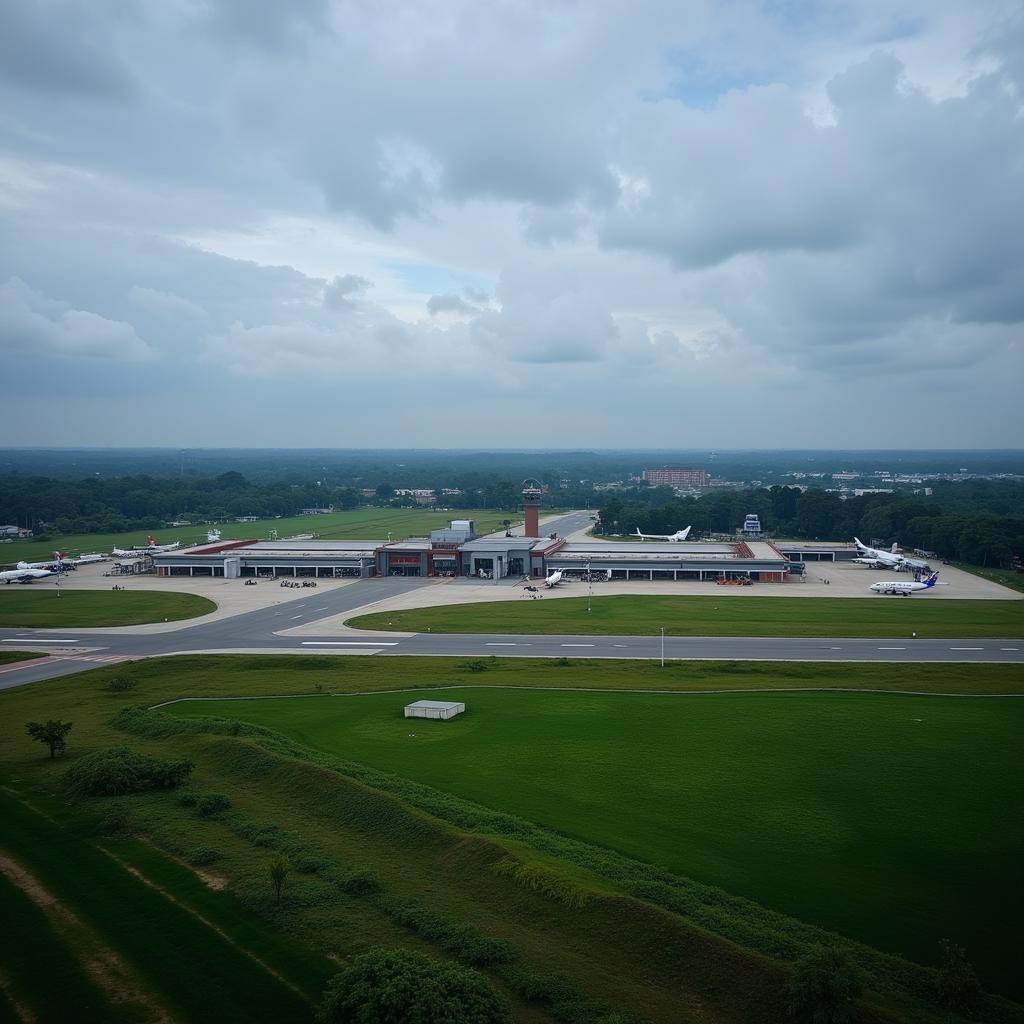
x: 31, y: 323
x: 166, y: 304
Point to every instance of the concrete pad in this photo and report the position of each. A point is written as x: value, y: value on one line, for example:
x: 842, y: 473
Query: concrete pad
x: 232, y: 597
x: 823, y: 579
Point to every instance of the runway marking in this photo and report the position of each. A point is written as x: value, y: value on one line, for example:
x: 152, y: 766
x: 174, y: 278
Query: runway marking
x: 41, y: 640
x: 578, y: 645
x: 349, y: 643
x: 894, y: 648
x: 324, y: 609
x: 296, y: 617
x: 489, y: 644
x: 967, y: 648
x: 620, y: 645
x: 1009, y: 648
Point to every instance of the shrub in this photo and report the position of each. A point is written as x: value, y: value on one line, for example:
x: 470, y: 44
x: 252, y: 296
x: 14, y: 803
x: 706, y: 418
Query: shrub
x: 360, y: 883
x: 122, y: 684
x: 212, y: 803
x: 957, y: 986
x: 199, y: 856
x: 544, y: 881
x: 187, y: 800
x: 383, y: 986
x: 475, y: 665
x: 118, y: 770
x: 823, y: 987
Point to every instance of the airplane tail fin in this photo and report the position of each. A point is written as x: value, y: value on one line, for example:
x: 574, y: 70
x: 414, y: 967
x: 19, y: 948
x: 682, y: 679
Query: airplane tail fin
x: 22, y: 565
x: 150, y: 540
x: 932, y: 580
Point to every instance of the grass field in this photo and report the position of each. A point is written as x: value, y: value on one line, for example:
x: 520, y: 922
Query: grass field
x: 175, y: 959
x: 39, y: 609
x: 633, y: 954
x: 1012, y: 578
x: 357, y: 524
x: 839, y: 809
x: 8, y: 657
x: 637, y: 615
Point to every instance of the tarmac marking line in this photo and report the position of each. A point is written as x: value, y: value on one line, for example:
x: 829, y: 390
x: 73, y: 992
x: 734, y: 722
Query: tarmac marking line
x: 967, y: 648
x: 490, y: 644
x: 41, y: 640
x: 896, y: 648
x: 578, y: 645
x: 349, y: 643
x: 1009, y: 648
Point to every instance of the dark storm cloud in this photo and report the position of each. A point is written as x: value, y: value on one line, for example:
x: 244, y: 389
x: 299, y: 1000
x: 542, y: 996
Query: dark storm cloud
x: 59, y: 47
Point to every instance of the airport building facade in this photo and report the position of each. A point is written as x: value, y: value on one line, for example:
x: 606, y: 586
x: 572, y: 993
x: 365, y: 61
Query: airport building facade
x: 456, y: 552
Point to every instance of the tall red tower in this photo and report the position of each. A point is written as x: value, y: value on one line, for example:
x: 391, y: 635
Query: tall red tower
x: 532, y: 492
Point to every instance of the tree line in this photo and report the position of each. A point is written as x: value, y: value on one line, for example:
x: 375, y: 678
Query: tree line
x: 977, y: 522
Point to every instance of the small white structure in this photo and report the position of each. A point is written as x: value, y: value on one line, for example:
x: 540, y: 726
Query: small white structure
x: 434, y: 709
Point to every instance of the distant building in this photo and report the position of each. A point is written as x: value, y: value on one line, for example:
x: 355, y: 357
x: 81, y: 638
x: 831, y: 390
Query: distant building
x: 674, y: 476
x: 751, y: 525
x: 14, y: 531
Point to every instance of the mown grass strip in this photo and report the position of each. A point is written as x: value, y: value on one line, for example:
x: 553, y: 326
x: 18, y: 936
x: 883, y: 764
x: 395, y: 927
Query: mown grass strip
x: 42, y: 609
x: 193, y: 971
x: 45, y: 977
x: 10, y: 657
x: 713, y: 615
x: 301, y: 966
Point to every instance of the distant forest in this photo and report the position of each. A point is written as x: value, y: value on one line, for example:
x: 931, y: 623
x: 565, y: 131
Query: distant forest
x: 85, y: 491
x: 977, y: 521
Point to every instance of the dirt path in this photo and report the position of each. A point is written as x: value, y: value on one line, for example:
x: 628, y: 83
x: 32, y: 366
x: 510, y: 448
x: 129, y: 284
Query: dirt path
x: 103, y: 965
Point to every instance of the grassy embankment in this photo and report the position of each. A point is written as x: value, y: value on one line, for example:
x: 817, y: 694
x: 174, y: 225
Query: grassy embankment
x: 711, y: 615
x: 356, y: 524
x: 598, y: 917
x: 729, y: 789
x: 1012, y: 578
x: 42, y: 609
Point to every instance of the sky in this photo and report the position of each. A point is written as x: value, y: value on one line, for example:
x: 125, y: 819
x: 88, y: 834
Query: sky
x: 566, y: 223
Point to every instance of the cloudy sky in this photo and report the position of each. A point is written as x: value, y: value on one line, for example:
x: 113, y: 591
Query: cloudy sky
x: 320, y: 223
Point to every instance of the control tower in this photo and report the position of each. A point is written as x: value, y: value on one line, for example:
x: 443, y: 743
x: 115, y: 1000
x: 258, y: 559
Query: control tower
x: 532, y: 492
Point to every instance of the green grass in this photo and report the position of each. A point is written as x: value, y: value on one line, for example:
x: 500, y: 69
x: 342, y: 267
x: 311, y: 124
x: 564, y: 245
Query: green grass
x: 39, y: 609
x: 192, y: 970
x: 1012, y: 578
x: 9, y: 657
x: 357, y: 524
x: 714, y: 616
x: 45, y: 976
x: 839, y: 809
x: 626, y: 952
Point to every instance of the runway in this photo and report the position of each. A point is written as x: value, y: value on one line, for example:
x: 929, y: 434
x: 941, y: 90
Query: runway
x: 272, y: 630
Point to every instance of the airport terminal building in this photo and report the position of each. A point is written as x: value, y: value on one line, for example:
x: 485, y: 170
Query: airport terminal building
x: 456, y: 551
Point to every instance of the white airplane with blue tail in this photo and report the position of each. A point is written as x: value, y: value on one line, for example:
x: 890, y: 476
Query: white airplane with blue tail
x: 908, y: 587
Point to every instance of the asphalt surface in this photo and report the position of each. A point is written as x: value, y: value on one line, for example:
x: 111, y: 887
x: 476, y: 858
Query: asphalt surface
x: 73, y: 650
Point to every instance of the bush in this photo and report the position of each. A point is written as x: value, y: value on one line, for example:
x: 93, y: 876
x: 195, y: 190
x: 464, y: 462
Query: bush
x: 360, y: 883
x: 122, y: 684
x: 383, y: 986
x: 823, y: 987
x: 544, y: 881
x: 476, y: 665
x: 199, y: 856
x: 188, y: 800
x: 212, y: 803
x: 957, y: 986
x: 118, y: 771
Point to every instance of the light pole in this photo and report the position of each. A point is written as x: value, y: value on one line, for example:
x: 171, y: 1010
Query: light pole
x: 590, y: 588
x: 662, y: 646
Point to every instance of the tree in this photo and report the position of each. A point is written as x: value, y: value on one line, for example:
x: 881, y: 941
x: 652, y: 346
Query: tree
x: 279, y: 869
x: 53, y: 734
x: 823, y: 987
x: 402, y: 987
x: 957, y: 985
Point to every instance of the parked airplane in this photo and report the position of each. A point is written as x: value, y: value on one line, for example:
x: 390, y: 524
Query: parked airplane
x: 26, y: 575
x: 59, y: 560
x: 151, y: 548
x: 891, y: 559
x: 678, y: 535
x: 905, y: 589
x: 554, y: 579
